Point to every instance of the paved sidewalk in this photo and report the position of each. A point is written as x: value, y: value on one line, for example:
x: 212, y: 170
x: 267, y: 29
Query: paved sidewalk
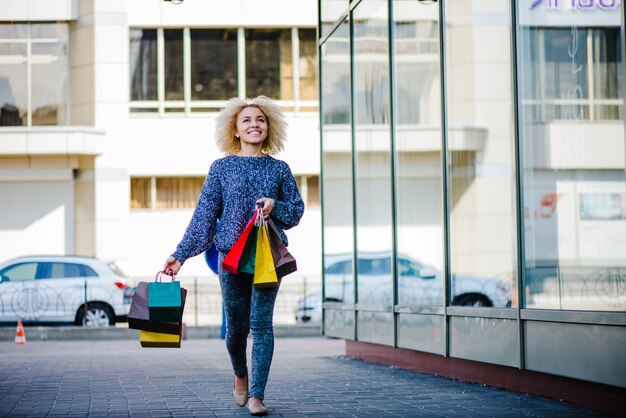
x: 309, y: 378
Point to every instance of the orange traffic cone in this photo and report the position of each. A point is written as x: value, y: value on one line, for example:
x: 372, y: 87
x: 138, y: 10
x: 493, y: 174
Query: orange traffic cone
x: 19, y: 334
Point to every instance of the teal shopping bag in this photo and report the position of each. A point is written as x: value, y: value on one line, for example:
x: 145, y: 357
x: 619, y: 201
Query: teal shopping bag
x: 164, y: 301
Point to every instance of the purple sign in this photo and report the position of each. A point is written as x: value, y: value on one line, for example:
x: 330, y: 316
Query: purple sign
x: 576, y: 4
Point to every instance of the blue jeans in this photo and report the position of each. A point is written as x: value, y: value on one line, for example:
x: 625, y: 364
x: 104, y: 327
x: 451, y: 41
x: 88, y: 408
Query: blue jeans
x: 248, y: 308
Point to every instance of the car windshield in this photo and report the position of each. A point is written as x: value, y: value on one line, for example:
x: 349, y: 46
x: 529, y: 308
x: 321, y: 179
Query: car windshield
x: 117, y: 270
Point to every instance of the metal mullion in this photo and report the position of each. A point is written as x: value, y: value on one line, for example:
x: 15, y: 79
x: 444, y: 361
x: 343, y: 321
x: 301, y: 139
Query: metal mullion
x: 241, y: 63
x: 187, y: 69
x: 519, y: 191
x: 590, y: 74
x: 354, y: 187
x: 444, y: 176
x: 160, y: 69
x: 392, y: 156
x: 29, y: 81
x: 623, y: 38
x: 295, y: 69
x: 321, y: 156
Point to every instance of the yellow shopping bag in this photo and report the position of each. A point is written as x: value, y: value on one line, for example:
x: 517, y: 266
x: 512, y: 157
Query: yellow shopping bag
x: 264, y: 270
x: 158, y: 339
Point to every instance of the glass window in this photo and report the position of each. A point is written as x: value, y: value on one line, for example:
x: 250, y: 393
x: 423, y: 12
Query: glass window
x: 64, y: 271
x: 20, y: 272
x: 143, y: 64
x: 14, y: 83
x: 419, y: 185
x: 41, y: 69
x: 337, y: 163
x: 572, y: 145
x: 173, y: 39
x: 481, y: 158
x: 373, y: 150
x: 309, y: 187
x: 573, y: 73
x: 213, y: 64
x: 269, y: 69
x: 177, y: 192
x: 308, y: 64
x: 140, y: 192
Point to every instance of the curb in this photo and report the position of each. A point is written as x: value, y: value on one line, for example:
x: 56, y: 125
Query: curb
x: 74, y: 333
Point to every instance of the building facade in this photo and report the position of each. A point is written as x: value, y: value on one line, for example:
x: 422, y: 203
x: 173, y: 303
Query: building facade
x: 107, y: 119
x: 473, y: 185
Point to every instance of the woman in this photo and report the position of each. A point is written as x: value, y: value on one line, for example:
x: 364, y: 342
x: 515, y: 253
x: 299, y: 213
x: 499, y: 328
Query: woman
x: 248, y: 132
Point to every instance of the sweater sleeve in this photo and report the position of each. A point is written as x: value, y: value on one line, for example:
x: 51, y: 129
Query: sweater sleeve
x: 289, y: 207
x: 202, y: 227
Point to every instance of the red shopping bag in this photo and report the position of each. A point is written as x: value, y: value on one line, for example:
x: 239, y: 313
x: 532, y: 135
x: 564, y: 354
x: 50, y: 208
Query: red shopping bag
x: 231, y: 261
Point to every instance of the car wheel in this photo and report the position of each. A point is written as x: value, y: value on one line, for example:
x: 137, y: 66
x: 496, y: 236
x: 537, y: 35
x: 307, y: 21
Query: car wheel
x: 98, y: 315
x: 475, y: 300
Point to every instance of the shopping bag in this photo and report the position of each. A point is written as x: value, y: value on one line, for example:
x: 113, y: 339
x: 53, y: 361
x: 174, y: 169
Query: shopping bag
x: 139, y: 314
x: 158, y: 339
x: 248, y: 257
x: 231, y: 261
x: 164, y: 300
x: 284, y: 262
x: 264, y: 270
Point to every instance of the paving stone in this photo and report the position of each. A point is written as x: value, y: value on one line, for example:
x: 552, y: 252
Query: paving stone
x: 310, y: 378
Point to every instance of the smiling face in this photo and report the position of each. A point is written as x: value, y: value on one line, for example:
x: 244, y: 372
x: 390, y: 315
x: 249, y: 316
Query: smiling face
x: 251, y: 128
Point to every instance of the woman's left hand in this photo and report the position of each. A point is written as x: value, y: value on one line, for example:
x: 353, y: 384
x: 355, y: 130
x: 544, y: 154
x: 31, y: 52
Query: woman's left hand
x: 268, y: 205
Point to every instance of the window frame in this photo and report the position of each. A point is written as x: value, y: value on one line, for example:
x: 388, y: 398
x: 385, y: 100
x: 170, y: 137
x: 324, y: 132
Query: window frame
x: 187, y: 106
x: 30, y: 59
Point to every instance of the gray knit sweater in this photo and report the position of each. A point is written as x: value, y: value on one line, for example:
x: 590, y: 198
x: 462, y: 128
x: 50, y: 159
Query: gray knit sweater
x: 229, y: 193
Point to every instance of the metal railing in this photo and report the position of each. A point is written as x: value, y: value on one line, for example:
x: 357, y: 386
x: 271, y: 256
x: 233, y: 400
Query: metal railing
x: 203, y: 305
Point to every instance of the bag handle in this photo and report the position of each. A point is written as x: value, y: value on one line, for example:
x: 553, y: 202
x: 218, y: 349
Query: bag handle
x: 258, y: 212
x: 159, y: 276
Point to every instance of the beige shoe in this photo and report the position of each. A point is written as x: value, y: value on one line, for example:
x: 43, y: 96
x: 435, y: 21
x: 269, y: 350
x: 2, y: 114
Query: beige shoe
x: 240, y: 395
x: 256, y: 407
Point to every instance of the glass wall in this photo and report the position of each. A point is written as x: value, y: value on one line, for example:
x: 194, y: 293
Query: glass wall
x: 372, y: 148
x: 481, y: 154
x: 417, y: 105
x: 373, y: 153
x: 572, y: 135
x: 34, y: 68
x: 473, y: 181
x: 337, y: 179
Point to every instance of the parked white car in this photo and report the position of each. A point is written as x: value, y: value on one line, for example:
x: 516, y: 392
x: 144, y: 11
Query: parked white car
x: 418, y: 284
x: 71, y: 289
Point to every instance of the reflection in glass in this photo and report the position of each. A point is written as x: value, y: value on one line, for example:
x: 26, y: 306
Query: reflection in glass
x: 213, y: 64
x: 173, y: 57
x: 572, y: 136
x: 143, y: 64
x: 373, y: 153
x: 308, y: 64
x: 330, y: 11
x: 480, y: 154
x: 337, y: 173
x: 269, y: 69
x: 50, y: 62
x: 13, y: 84
x: 41, y: 70
x: 418, y: 155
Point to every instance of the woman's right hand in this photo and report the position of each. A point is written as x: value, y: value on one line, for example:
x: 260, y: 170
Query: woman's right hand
x: 172, y: 266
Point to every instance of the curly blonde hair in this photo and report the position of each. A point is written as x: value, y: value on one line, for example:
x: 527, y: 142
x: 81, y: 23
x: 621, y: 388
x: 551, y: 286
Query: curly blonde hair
x: 226, y: 125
